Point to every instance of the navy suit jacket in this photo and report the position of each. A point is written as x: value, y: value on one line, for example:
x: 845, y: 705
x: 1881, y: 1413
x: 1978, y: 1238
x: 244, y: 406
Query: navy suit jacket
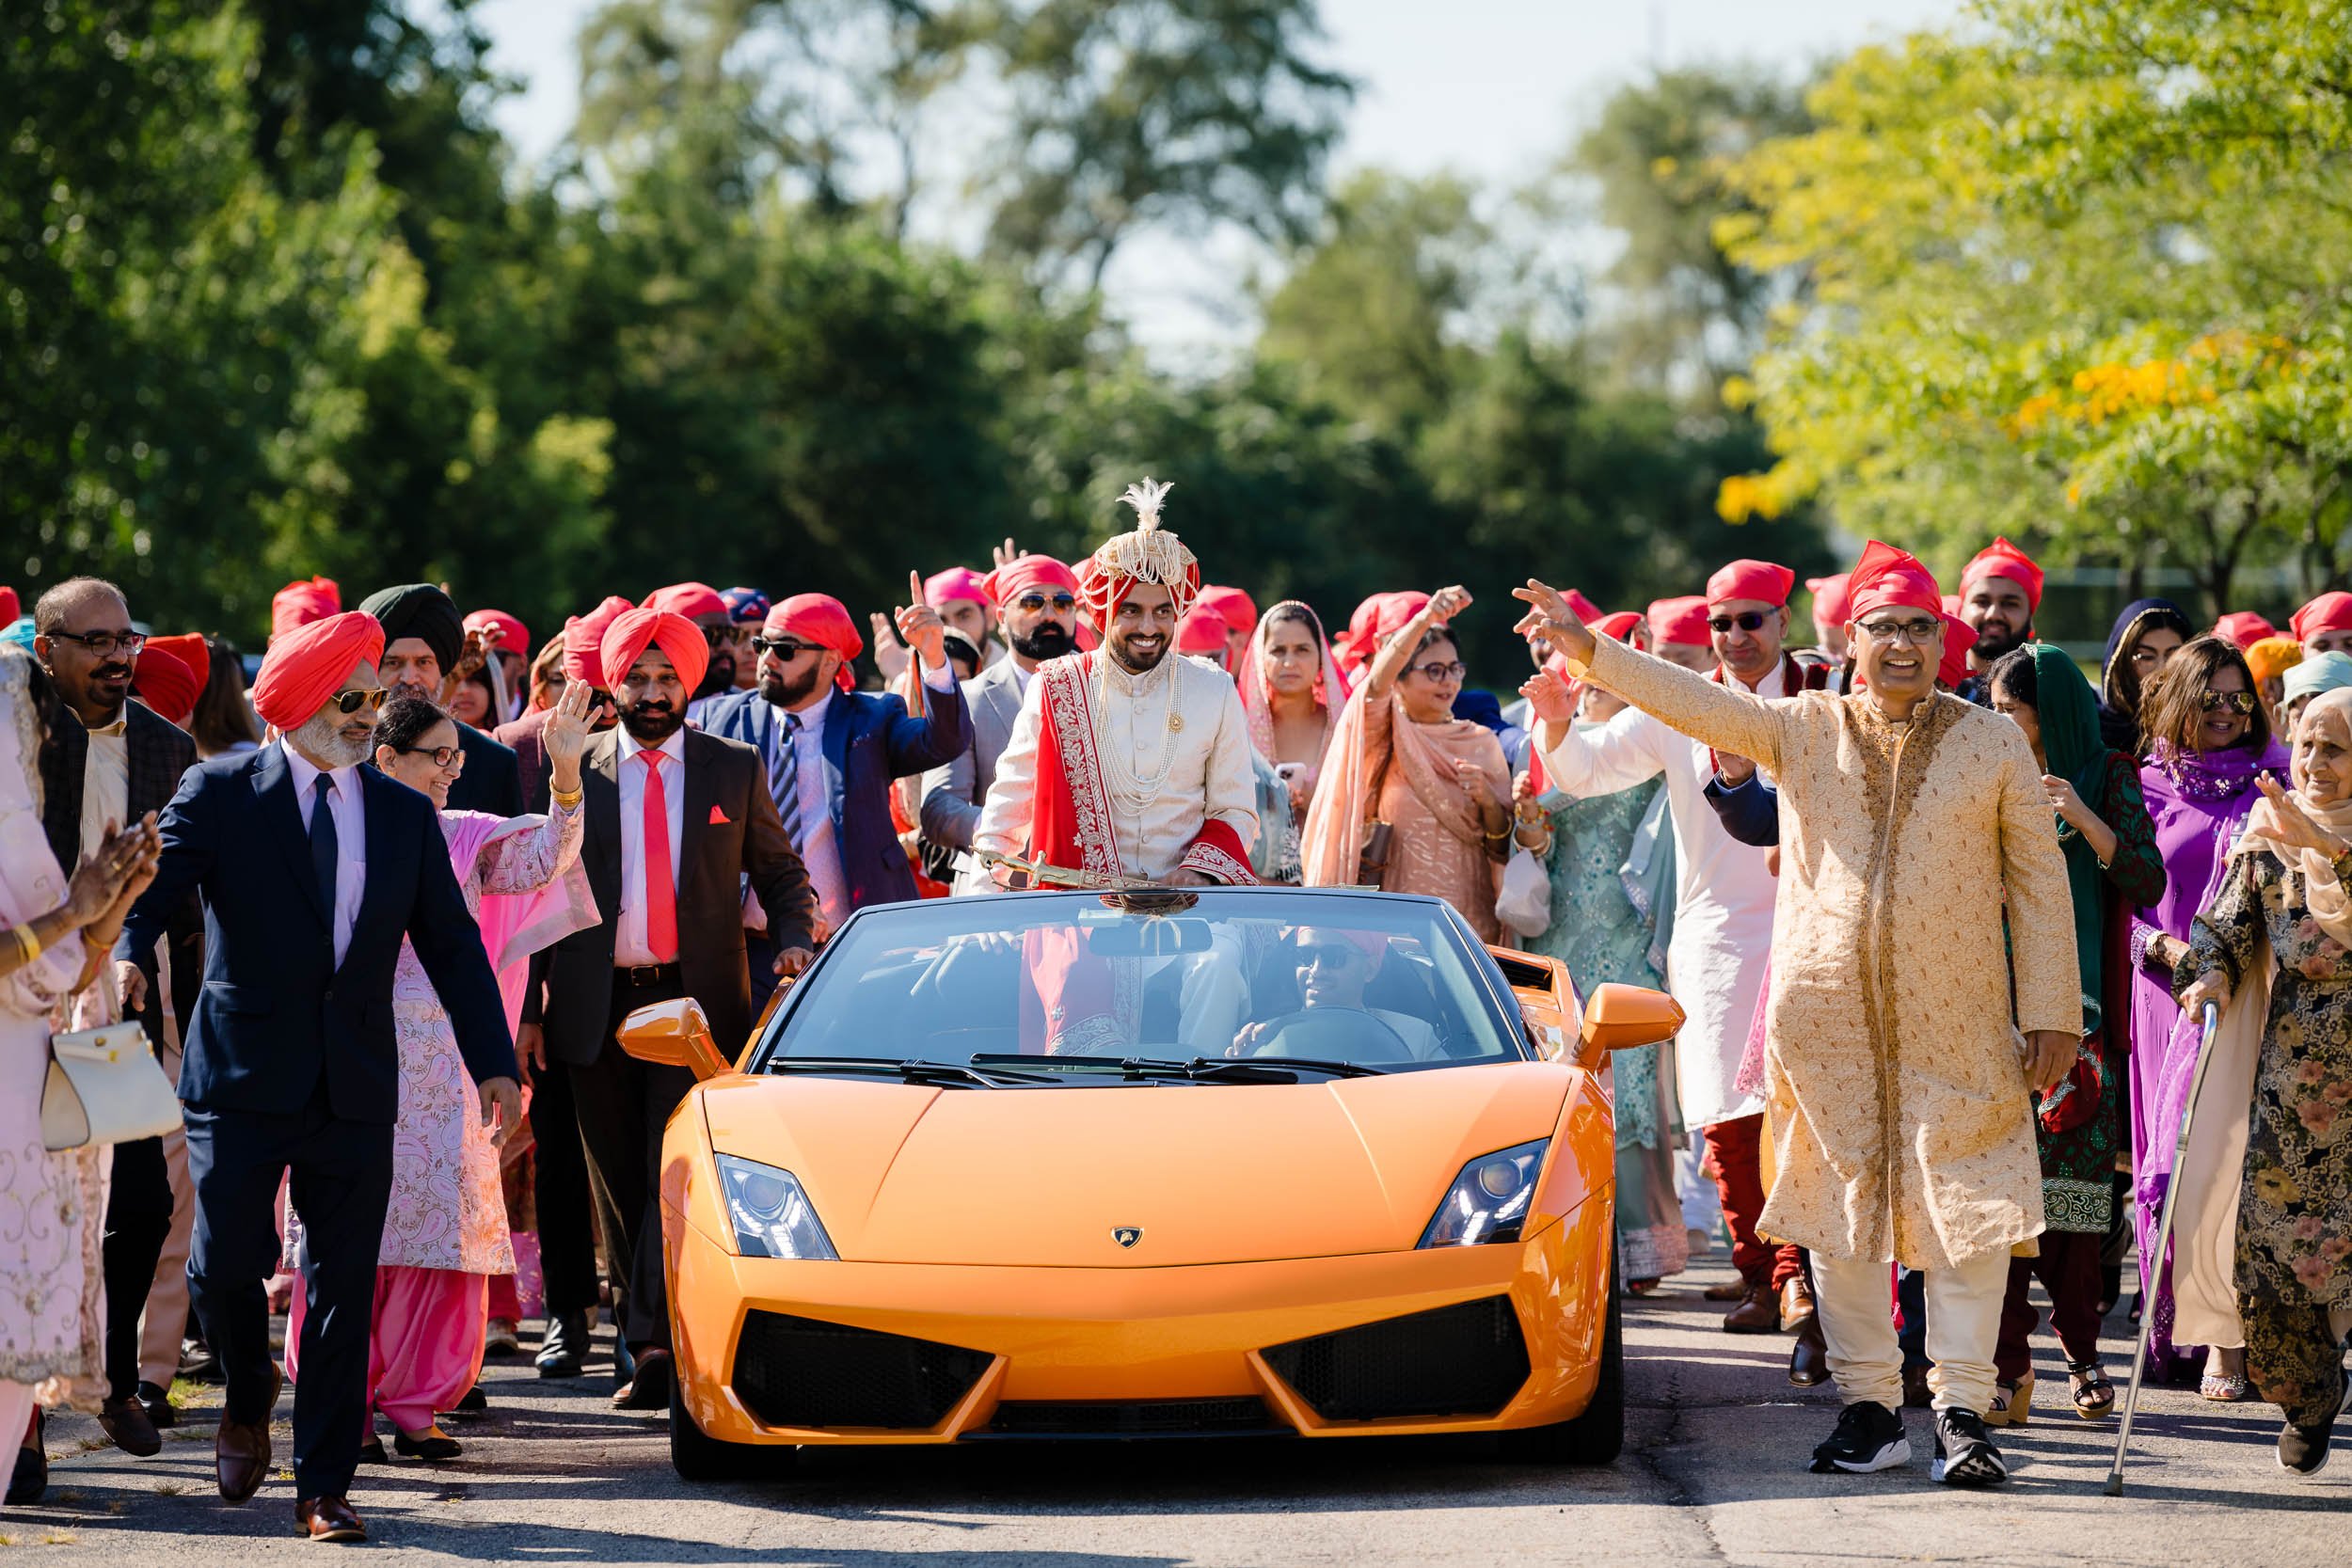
x: 276, y: 1013
x: 1750, y: 812
x: 870, y: 741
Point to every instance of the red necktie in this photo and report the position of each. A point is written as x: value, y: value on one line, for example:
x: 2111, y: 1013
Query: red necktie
x: 661, y: 882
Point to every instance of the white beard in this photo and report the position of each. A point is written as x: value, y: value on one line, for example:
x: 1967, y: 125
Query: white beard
x: 321, y: 738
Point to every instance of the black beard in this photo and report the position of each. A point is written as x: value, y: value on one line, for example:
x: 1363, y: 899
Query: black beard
x: 1049, y: 640
x: 789, y: 690
x: 718, y: 678
x: 1126, y: 661
x: 1990, y: 645
x: 649, y: 727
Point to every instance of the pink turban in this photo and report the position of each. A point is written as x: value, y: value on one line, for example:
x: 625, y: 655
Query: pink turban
x: 309, y: 663
x: 298, y: 604
x: 1021, y: 574
x: 821, y: 619
x: 514, y: 637
x: 583, y: 640
x: 2244, y: 628
x: 955, y: 582
x: 673, y: 634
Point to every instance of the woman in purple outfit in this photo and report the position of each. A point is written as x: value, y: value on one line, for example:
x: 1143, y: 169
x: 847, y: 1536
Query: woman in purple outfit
x: 2208, y: 741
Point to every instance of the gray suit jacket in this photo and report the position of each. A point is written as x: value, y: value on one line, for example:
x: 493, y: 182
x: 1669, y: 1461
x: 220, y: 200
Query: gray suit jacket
x: 952, y: 795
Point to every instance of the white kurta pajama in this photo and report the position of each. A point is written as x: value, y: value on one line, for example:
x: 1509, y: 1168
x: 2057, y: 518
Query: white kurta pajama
x: 1723, y: 928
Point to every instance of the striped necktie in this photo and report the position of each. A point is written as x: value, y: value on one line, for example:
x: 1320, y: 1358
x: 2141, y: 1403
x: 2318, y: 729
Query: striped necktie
x: 789, y: 783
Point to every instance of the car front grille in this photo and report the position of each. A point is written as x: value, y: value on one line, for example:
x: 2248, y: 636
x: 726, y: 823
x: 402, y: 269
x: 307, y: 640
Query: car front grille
x: 1466, y: 1359
x: 1214, y: 1418
x: 804, y: 1372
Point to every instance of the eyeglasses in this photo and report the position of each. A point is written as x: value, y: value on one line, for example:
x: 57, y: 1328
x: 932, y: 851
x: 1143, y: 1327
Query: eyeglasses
x: 1747, y: 620
x: 785, y: 648
x: 2214, y: 701
x: 105, y: 644
x: 1333, y: 955
x: 442, y: 756
x: 351, y: 702
x: 1439, y: 674
x: 1032, y: 603
x: 1916, y: 633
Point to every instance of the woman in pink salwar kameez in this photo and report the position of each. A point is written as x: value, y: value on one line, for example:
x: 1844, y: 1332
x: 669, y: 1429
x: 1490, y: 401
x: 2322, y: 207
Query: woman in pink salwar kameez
x: 445, y: 1232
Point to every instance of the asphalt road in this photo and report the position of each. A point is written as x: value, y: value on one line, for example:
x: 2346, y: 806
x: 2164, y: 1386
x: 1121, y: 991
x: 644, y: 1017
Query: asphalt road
x: 1713, y: 1472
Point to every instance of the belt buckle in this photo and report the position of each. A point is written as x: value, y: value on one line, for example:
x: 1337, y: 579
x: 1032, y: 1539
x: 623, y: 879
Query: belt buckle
x: 644, y: 975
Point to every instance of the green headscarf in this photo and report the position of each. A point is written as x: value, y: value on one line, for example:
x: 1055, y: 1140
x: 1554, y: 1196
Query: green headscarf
x: 2069, y: 713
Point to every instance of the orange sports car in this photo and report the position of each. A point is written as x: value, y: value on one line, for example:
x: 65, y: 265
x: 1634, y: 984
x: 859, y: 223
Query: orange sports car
x: 1248, y: 1161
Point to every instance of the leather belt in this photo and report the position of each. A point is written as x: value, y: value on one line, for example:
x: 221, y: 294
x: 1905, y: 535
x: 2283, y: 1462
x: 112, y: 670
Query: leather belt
x: 646, y: 976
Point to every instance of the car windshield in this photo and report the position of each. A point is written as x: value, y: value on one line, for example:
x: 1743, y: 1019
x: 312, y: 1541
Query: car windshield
x: 1220, y: 986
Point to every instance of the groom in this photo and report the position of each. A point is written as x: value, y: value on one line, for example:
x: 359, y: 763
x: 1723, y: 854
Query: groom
x: 311, y: 870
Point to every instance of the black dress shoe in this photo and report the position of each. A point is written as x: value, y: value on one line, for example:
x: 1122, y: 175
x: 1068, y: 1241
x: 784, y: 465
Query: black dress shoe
x: 564, y: 1348
x: 160, y: 1413
x: 29, y: 1482
x: 474, y: 1401
x: 197, y: 1363
x: 650, y: 1389
x: 371, y: 1451
x: 433, y: 1445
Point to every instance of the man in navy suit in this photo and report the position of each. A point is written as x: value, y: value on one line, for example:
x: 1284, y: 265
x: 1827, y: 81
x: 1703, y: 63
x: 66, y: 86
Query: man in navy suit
x: 311, y: 870
x: 832, y: 750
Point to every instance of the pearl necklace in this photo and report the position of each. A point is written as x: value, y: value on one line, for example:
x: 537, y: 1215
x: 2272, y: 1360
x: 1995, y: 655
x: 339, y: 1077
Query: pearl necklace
x: 1132, y: 793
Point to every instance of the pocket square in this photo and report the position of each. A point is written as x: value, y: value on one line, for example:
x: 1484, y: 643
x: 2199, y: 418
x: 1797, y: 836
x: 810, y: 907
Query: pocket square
x: 718, y: 816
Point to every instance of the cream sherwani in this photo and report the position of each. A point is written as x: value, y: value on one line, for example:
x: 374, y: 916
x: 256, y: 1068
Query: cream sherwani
x: 1723, y: 928
x: 1207, y: 753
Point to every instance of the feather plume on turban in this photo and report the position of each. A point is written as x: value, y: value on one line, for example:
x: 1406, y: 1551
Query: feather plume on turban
x: 1147, y: 554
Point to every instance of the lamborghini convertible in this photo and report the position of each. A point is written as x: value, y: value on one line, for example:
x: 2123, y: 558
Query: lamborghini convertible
x: 1073, y: 1164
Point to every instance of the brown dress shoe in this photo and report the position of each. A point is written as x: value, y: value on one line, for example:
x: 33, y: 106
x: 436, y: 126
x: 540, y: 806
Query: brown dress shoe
x: 1757, y: 1312
x: 327, y: 1519
x: 650, y: 1389
x: 1808, y: 1359
x: 1736, y: 1290
x: 241, y: 1455
x: 1796, y: 1304
x: 1917, y: 1394
x: 127, y: 1426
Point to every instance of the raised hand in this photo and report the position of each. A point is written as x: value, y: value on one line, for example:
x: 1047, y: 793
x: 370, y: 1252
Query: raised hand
x: 566, y: 735
x: 1007, y: 552
x: 1552, y: 619
x: 470, y: 659
x: 921, y: 627
x: 1446, y: 602
x: 1548, y: 698
x: 2294, y: 828
x: 890, y: 655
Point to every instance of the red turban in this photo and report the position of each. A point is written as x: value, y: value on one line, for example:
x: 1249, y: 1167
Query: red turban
x: 1021, y: 574
x: 1830, y: 607
x: 1759, y: 580
x: 1237, y: 610
x: 308, y: 664
x: 514, y: 637
x: 298, y: 604
x: 955, y: 582
x: 821, y: 619
x: 2329, y: 612
x: 1681, y: 619
x: 583, y: 640
x: 12, y: 608
x: 1887, y: 577
x: 689, y: 600
x: 1582, y: 607
x: 1202, y: 630
x: 673, y: 633
x: 2245, y: 628
x: 164, y: 684
x: 1622, y: 625
x: 1375, y: 620
x: 190, y: 649
x: 1959, y: 637
x: 2001, y: 559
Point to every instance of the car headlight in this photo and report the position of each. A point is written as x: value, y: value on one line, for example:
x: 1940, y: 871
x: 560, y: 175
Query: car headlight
x: 772, y: 1215
x: 1489, y: 1201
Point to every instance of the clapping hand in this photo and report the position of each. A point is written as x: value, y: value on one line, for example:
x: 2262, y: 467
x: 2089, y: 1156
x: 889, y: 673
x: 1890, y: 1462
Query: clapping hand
x: 921, y: 627
x: 565, y: 736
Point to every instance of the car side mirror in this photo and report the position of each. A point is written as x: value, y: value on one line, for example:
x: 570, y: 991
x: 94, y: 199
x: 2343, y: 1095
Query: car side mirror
x: 1617, y: 1018
x: 674, y: 1034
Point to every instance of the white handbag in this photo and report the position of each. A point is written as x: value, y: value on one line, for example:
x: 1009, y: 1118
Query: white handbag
x: 1524, y: 901
x: 105, y: 1085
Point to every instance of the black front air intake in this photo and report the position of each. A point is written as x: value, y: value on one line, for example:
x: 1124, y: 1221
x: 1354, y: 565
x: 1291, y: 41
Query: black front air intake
x: 1466, y: 1359
x: 1244, y: 1415
x: 802, y: 1373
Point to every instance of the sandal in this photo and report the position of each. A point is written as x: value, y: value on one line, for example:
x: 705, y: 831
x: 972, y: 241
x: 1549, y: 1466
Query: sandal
x: 2012, y: 1403
x: 2095, y: 1391
x: 2225, y: 1388
x: 1643, y: 1287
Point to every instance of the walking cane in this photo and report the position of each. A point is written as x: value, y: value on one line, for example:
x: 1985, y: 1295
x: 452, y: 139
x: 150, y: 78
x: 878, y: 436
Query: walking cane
x: 2210, y: 1021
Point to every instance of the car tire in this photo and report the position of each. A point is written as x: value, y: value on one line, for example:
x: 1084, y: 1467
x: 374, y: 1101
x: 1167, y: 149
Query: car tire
x: 697, y: 1456
x: 1597, y: 1436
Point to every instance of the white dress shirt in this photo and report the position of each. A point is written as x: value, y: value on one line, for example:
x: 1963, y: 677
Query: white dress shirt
x: 1724, y: 896
x: 105, y: 784
x: 819, y: 846
x: 345, y: 798
x: 629, y: 945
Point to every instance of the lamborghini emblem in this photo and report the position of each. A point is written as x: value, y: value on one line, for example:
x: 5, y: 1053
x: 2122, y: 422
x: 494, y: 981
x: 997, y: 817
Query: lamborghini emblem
x: 1126, y: 1235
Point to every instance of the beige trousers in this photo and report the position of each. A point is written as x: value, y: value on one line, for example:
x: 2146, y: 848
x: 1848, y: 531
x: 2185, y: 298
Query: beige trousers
x: 1856, y: 1302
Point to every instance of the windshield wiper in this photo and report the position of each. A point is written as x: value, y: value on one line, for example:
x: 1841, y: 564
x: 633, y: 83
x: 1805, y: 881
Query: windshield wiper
x: 912, y: 1071
x: 1259, y: 1070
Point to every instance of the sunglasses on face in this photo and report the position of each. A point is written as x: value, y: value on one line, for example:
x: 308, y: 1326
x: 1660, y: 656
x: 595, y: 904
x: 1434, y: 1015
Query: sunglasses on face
x: 1747, y: 620
x: 105, y: 644
x: 442, y: 756
x: 785, y: 648
x: 1032, y: 603
x: 349, y: 703
x: 1439, y: 674
x: 1337, y: 954
x: 2214, y: 701
x: 1917, y: 633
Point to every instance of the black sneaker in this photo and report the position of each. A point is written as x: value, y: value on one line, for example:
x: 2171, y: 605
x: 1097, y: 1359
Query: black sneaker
x: 1869, y: 1438
x: 2303, y: 1449
x: 1964, y: 1456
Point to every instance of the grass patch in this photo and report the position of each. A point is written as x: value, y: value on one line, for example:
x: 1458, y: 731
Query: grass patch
x: 169, y: 1488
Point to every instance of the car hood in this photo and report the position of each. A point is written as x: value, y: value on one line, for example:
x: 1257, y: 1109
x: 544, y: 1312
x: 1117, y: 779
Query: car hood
x: 1208, y: 1173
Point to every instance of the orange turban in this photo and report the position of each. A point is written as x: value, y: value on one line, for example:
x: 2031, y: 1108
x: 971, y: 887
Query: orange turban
x: 1885, y: 576
x: 673, y: 633
x: 2270, y: 658
x: 2001, y: 559
x: 166, y: 684
x: 821, y: 619
x: 298, y: 604
x: 583, y: 640
x: 306, y: 666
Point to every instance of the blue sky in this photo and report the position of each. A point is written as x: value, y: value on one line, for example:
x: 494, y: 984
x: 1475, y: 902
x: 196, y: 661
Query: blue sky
x: 1490, y: 88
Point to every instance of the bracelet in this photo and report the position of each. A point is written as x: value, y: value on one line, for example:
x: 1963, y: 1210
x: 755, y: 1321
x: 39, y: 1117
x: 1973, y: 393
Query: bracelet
x: 566, y: 801
x: 28, y: 942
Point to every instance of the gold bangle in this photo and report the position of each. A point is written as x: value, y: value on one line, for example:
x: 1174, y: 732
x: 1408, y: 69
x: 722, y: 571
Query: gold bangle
x: 28, y: 942
x: 566, y: 801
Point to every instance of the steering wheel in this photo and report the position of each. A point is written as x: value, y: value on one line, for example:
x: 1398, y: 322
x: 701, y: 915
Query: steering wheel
x: 1335, y: 1034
